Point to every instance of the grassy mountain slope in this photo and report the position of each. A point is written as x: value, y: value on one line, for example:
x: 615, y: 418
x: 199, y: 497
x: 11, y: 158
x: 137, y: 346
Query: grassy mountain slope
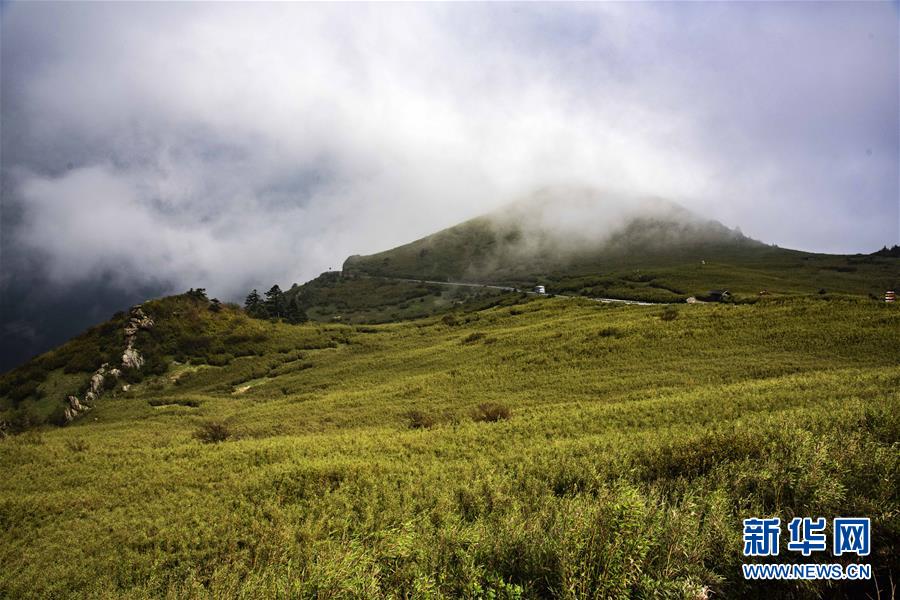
x: 187, y: 328
x: 623, y: 451
x: 575, y: 241
x: 334, y: 297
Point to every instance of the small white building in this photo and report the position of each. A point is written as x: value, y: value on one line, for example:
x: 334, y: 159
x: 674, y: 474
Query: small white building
x: 539, y: 289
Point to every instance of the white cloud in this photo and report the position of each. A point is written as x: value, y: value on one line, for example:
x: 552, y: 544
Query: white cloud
x: 229, y: 145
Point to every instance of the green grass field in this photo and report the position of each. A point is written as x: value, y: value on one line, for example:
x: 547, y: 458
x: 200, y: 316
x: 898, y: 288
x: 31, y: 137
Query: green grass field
x: 614, y: 454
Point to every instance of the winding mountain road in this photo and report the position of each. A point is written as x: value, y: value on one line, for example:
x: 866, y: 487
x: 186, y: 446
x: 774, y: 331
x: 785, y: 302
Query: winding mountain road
x: 514, y: 289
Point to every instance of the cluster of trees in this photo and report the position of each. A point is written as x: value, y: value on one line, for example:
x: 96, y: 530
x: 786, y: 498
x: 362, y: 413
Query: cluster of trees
x: 215, y: 304
x: 893, y: 251
x: 275, y: 305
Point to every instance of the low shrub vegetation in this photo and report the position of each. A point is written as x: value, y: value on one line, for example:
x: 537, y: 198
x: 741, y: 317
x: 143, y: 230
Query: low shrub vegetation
x: 76, y: 445
x: 473, y: 337
x: 491, y: 412
x: 212, y: 432
x: 418, y: 419
x: 610, y: 456
x: 669, y: 313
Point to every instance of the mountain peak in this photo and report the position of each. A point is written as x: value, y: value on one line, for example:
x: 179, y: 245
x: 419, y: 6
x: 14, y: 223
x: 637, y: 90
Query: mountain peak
x: 552, y: 229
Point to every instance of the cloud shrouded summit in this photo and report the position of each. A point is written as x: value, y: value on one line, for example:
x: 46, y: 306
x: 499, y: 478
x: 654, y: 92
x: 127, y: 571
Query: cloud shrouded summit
x: 162, y: 146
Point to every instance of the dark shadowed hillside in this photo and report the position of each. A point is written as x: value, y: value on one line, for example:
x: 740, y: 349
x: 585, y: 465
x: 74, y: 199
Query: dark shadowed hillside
x: 333, y: 297
x: 107, y: 360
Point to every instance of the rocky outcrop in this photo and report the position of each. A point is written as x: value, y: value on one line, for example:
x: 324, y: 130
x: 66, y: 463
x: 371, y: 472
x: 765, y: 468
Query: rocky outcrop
x: 97, y: 384
x: 97, y: 380
x: 131, y: 359
x: 137, y: 320
x: 74, y: 407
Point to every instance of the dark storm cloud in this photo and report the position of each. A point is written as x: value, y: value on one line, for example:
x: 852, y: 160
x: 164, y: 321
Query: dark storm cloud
x: 232, y: 145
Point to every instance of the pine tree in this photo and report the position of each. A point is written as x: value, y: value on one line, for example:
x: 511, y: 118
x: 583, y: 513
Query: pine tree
x: 253, y: 305
x: 199, y: 294
x: 274, y: 302
x: 294, y: 313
